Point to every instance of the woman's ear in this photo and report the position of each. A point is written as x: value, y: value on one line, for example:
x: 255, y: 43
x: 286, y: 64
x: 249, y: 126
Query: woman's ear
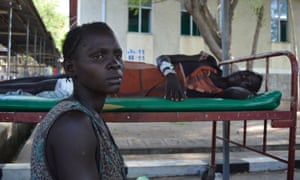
x: 69, y: 68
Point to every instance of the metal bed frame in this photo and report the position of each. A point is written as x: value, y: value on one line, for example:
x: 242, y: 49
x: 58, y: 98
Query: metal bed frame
x: 286, y: 118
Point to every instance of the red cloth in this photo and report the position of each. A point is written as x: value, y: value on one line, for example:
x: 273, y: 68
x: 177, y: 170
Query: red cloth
x: 200, y: 81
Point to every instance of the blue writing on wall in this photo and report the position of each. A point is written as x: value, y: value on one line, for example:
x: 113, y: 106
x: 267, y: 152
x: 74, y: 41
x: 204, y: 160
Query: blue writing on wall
x: 135, y: 54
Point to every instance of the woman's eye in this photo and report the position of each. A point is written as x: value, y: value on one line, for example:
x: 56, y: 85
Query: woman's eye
x: 119, y: 56
x: 98, y: 57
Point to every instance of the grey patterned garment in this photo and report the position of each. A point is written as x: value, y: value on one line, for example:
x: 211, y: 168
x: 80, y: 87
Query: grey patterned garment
x: 110, y: 162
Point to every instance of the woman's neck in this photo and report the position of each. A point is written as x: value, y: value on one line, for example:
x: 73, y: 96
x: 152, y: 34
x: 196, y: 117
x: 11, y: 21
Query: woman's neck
x: 93, y: 102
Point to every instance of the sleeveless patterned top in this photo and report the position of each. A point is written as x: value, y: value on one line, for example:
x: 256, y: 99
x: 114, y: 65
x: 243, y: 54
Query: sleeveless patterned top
x: 110, y: 162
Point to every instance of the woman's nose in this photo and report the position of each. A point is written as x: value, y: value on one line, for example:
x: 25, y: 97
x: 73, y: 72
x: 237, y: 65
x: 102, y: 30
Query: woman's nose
x: 115, y: 64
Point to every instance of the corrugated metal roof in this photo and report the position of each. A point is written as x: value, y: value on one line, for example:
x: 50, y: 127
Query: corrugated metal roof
x: 26, y: 24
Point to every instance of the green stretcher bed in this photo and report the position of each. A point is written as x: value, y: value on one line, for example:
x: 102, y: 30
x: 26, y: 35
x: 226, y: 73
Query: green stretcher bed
x: 263, y: 101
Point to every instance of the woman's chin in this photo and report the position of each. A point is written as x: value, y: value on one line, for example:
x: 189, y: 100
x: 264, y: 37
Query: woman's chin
x: 113, y: 89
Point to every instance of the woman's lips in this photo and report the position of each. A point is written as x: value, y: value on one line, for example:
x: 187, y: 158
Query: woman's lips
x: 115, y: 80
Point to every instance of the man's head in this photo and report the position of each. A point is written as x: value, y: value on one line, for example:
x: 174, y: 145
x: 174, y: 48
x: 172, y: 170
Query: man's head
x: 246, y: 79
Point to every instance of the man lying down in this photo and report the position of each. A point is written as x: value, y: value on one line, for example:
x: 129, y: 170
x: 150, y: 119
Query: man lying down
x: 203, y: 78
x: 183, y: 76
x: 52, y: 86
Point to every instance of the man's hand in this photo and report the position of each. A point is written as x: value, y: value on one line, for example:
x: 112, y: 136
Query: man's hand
x: 173, y: 89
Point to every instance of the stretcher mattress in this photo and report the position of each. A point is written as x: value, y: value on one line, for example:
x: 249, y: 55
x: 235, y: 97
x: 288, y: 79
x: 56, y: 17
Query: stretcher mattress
x: 263, y: 101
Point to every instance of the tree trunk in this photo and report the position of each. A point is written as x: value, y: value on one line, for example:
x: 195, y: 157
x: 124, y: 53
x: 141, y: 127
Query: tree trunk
x: 208, y: 25
x: 256, y: 35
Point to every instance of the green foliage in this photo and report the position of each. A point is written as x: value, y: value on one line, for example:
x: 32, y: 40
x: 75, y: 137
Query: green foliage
x: 137, y: 2
x: 134, y: 5
x: 55, y: 22
x: 255, y: 5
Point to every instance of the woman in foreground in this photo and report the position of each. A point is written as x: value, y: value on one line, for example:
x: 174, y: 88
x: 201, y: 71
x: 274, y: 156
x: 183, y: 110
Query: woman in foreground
x: 73, y: 141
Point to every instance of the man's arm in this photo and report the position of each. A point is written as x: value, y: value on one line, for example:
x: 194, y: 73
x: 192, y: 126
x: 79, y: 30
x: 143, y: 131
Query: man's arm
x: 173, y: 88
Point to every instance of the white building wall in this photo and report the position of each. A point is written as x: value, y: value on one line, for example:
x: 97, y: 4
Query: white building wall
x: 140, y: 47
x: 89, y: 11
x: 166, y: 28
x: 165, y: 37
x: 117, y: 18
x: 191, y: 45
x: 243, y: 29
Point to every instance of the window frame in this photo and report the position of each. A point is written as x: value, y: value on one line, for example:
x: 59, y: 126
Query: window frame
x: 280, y: 21
x: 192, y: 24
x: 140, y: 8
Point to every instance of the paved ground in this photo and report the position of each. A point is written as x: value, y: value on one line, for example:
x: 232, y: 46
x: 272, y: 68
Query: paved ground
x: 185, y: 137
x: 185, y: 145
x: 274, y: 175
x: 183, y: 148
x: 189, y: 136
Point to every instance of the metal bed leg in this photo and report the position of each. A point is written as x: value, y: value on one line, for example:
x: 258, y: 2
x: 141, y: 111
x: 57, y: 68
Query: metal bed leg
x: 291, y: 153
x: 209, y: 174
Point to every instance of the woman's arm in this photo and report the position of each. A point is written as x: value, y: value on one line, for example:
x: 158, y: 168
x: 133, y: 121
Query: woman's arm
x: 71, y: 148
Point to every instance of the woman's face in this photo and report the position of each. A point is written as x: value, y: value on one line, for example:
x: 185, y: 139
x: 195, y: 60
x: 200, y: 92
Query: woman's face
x: 98, y: 63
